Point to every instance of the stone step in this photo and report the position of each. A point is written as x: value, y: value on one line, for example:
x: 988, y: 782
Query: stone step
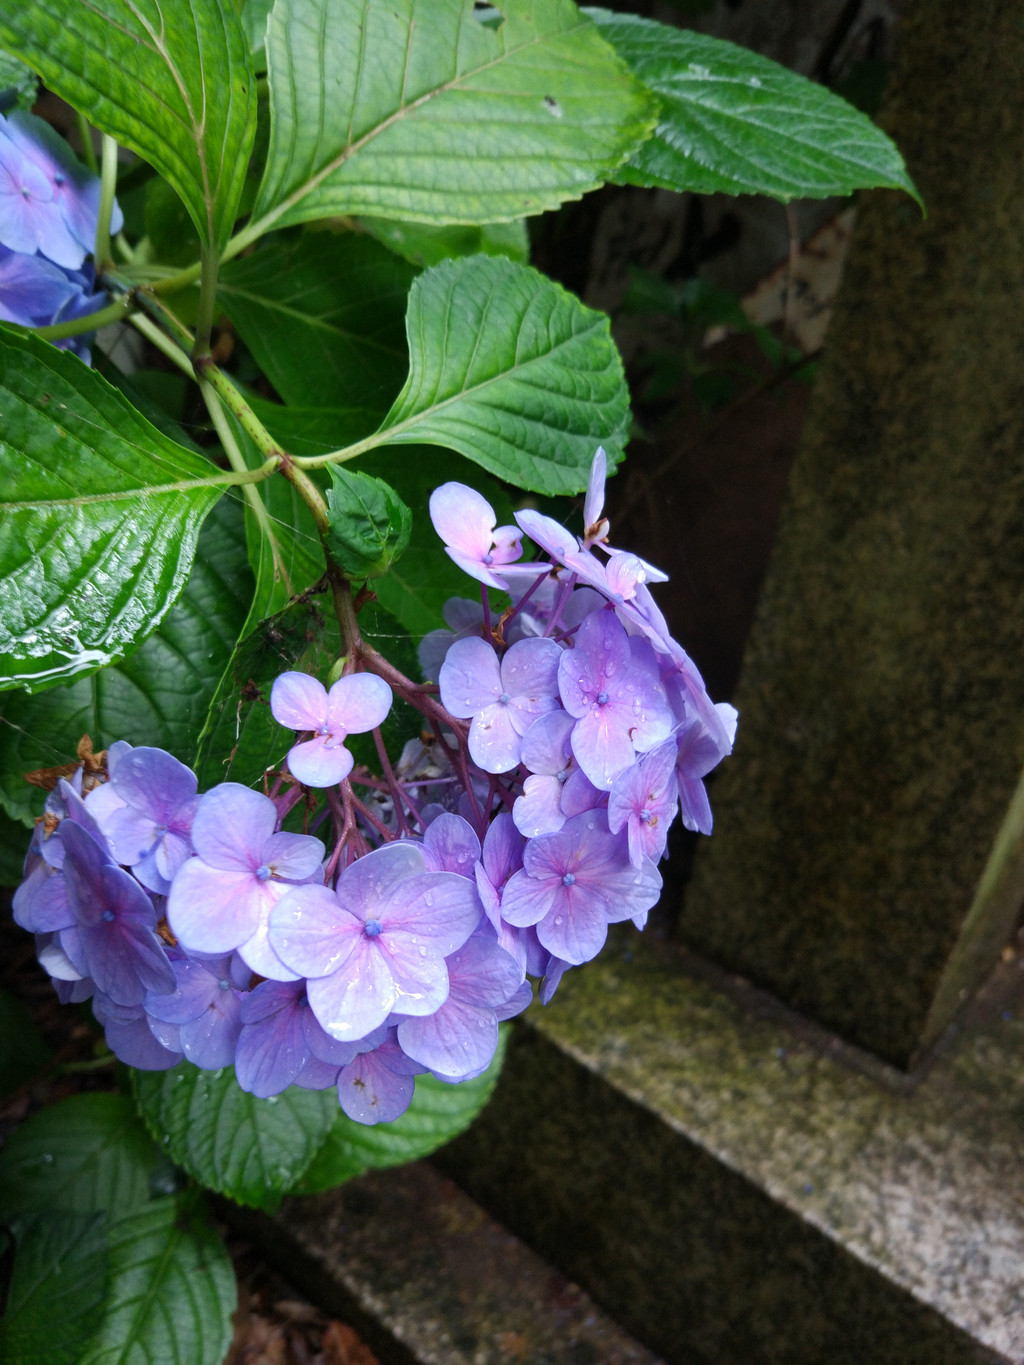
x: 428, y: 1278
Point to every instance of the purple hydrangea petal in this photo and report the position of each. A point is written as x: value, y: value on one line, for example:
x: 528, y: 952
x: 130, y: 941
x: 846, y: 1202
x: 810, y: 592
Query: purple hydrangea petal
x: 298, y: 702
x: 257, y: 951
x: 320, y: 762
x: 456, y: 1039
x: 214, y: 910
x: 154, y: 782
x: 495, y: 743
x: 312, y: 932
x: 451, y: 845
x: 293, y: 857
x: 596, y: 527
x: 470, y: 678
x: 353, y: 1002
x: 231, y: 827
x: 358, y: 702
x: 370, y: 1092
x: 539, y: 809
x: 272, y: 1049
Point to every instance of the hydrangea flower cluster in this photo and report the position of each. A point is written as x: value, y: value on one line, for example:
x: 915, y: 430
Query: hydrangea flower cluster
x: 49, y: 204
x: 561, y: 738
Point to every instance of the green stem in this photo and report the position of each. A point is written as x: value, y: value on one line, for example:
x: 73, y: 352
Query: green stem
x: 207, y: 303
x: 206, y: 368
x: 108, y: 183
x: 75, y: 327
x: 163, y: 343
x: 88, y: 150
x: 237, y: 461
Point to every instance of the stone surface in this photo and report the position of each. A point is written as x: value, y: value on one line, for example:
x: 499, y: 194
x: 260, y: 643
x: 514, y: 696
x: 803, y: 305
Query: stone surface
x: 427, y: 1278
x: 723, y: 1181
x: 882, y: 700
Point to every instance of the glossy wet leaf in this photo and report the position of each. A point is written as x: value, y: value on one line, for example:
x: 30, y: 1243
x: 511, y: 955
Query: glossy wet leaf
x: 58, y: 1288
x: 100, y: 517
x: 511, y: 371
x: 250, y: 1149
x: 171, y: 1291
x: 735, y: 122
x: 418, y: 111
x: 157, y: 696
x: 84, y: 1154
x: 171, y: 81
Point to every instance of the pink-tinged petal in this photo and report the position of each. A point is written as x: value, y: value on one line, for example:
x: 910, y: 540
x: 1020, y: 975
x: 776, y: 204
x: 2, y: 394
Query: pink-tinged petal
x: 546, y: 747
x: 258, y: 954
x: 231, y: 826
x: 549, y: 534
x: 463, y: 518
x: 694, y: 805
x: 538, y: 810
x: 352, y: 1002
x: 311, y: 932
x: 576, y: 929
x: 470, y: 677
x: 370, y: 1092
x: 482, y: 973
x: 596, y: 527
x: 477, y: 569
x: 494, y: 742
x: 213, y: 910
x: 368, y: 886
x: 602, y: 747
x: 526, y: 900
x: 293, y: 857
x: 437, y: 911
x: 580, y: 795
x: 320, y: 762
x: 357, y: 703
x: 298, y: 702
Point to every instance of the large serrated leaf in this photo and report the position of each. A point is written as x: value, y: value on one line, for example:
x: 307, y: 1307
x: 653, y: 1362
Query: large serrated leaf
x: 172, y: 81
x: 99, y: 522
x: 172, y: 1289
x: 511, y: 371
x: 158, y: 696
x: 84, y: 1154
x: 738, y: 123
x: 250, y: 1149
x: 437, y: 1114
x: 416, y: 110
x: 323, y: 315
x: 57, y: 1289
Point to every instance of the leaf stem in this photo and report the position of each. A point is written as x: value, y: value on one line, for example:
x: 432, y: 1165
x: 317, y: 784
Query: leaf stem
x: 207, y: 304
x: 75, y: 327
x: 108, y: 183
x: 162, y: 342
x: 88, y: 150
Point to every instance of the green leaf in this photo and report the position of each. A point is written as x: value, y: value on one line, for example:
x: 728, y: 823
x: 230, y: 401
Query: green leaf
x: 370, y: 524
x: 738, y: 123
x: 159, y: 696
x: 18, y: 84
x: 24, y: 1051
x: 424, y: 244
x: 57, y: 1291
x: 323, y: 316
x: 172, y: 1289
x: 250, y: 1149
x: 99, y: 525
x: 419, y: 111
x: 171, y: 81
x: 437, y: 1114
x: 83, y: 1154
x: 513, y: 372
